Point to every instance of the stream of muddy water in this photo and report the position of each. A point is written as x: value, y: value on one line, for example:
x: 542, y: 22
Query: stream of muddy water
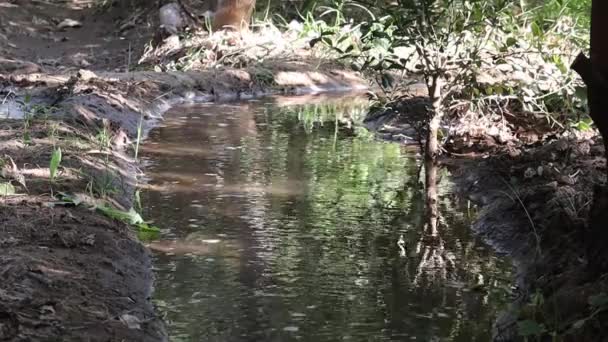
x: 282, y: 223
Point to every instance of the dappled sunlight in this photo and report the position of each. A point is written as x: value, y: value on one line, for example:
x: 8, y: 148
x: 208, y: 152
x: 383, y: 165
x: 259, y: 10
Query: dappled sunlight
x: 317, y: 81
x: 184, y: 247
x: 197, y: 246
x: 347, y: 101
x: 45, y: 173
x: 180, y: 183
x: 175, y: 150
x: 288, y: 189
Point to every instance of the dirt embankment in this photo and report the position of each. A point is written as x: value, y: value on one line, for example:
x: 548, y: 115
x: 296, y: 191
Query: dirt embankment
x: 535, y: 207
x: 534, y: 185
x: 70, y: 273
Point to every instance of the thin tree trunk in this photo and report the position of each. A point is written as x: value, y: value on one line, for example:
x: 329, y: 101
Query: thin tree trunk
x: 594, y: 72
x: 432, y: 203
x: 432, y: 145
x: 431, y: 153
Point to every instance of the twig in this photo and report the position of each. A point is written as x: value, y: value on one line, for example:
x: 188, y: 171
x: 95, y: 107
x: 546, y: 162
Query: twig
x: 521, y: 203
x: 10, y: 92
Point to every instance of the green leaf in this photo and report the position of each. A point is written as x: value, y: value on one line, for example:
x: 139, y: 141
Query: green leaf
x: 314, y: 41
x: 584, y: 124
x: 134, y: 217
x: 529, y: 328
x: 6, y: 189
x: 146, y: 232
x: 511, y: 41
x: 66, y: 198
x: 131, y: 217
x: 146, y: 235
x: 536, y: 30
x: 581, y: 93
x: 55, y: 162
x: 579, y: 324
x: 598, y: 301
x: 387, y: 81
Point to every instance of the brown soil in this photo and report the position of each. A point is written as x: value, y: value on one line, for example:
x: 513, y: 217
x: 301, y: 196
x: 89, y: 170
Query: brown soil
x: 29, y: 31
x: 80, y: 278
x: 535, y: 206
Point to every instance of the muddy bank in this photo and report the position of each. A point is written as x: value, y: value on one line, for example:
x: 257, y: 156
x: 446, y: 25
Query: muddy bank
x: 117, y: 96
x: 535, y: 207
x: 71, y: 275
x: 534, y: 187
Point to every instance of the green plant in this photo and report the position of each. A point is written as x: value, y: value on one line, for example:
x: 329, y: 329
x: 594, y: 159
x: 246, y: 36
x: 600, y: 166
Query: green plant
x: 55, y: 162
x: 103, y: 138
x: 27, y: 120
x: 56, y: 155
x: 597, y: 304
x: 137, y: 200
x: 7, y: 189
x: 263, y: 77
x: 530, y: 329
x: 131, y: 217
x: 460, y: 42
x: 104, y: 184
x: 535, y: 326
x: 139, y: 135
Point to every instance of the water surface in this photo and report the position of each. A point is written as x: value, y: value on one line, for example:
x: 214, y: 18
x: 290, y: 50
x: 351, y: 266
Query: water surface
x: 285, y: 224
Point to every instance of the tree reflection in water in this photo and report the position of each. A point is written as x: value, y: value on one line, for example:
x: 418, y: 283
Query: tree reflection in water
x: 307, y: 211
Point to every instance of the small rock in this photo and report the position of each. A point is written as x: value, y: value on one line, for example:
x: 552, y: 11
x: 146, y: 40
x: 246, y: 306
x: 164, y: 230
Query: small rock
x: 540, y: 170
x: 529, y: 173
x: 133, y: 322
x: 583, y: 148
x: 562, y: 145
x: 69, y: 23
x: 172, y: 18
x: 504, y: 137
x: 171, y: 43
x: 86, y: 75
x: 514, y: 152
x: 89, y: 240
x: 493, y: 131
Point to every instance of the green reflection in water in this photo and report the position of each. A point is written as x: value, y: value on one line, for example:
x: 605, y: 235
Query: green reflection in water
x: 282, y: 227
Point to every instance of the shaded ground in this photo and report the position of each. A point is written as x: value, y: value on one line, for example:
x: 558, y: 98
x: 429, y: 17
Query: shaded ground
x: 81, y: 278
x: 534, y: 184
x: 535, y: 206
x: 104, y: 40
